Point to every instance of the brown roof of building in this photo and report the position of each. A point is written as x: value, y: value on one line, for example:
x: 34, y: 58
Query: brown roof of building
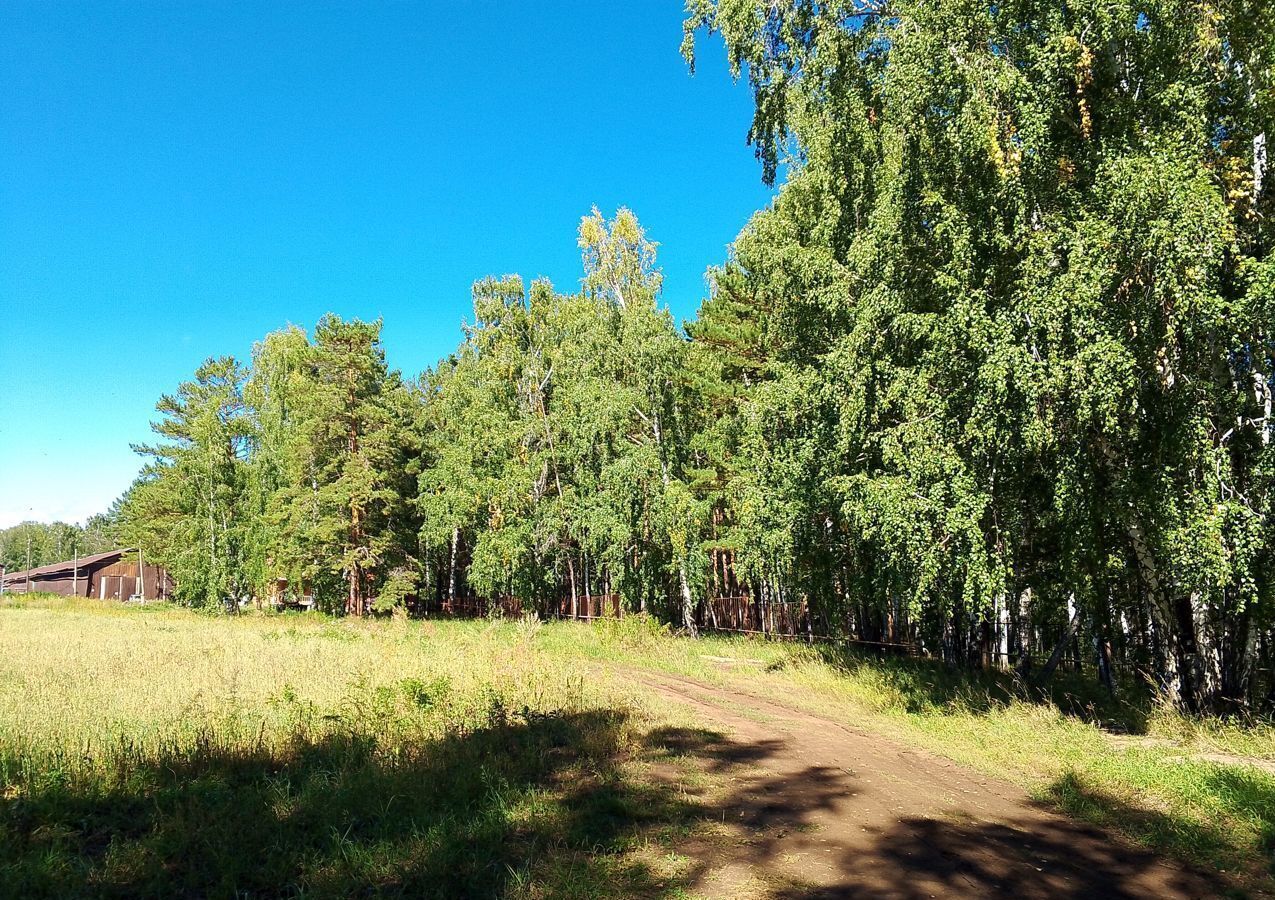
x: 58, y: 568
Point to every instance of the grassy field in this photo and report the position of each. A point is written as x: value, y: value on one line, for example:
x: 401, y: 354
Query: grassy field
x: 295, y: 756
x: 152, y: 751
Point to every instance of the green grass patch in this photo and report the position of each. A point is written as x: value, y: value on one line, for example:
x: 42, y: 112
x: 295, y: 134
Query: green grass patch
x: 162, y: 753
x: 156, y: 752
x: 1166, y: 780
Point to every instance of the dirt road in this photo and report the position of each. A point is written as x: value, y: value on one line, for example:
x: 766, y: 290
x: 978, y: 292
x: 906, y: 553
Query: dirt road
x: 816, y: 809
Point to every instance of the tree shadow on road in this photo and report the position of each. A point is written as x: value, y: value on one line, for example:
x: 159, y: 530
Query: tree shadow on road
x: 803, y: 830
x: 584, y: 804
x: 1028, y: 858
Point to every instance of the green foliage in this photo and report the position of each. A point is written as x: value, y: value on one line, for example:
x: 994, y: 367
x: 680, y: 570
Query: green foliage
x: 187, y: 508
x: 299, y: 469
x: 990, y: 377
x: 55, y: 542
x: 555, y: 437
x: 334, y: 463
x: 1015, y: 342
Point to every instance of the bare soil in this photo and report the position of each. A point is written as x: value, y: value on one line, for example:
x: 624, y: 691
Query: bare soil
x: 1189, y: 754
x: 815, y: 809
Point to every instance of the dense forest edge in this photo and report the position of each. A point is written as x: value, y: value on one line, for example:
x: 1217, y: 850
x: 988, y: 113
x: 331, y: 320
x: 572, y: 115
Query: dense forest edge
x: 989, y: 379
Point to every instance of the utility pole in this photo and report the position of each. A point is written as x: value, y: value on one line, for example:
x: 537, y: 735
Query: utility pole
x: 28, y: 560
x: 75, y: 568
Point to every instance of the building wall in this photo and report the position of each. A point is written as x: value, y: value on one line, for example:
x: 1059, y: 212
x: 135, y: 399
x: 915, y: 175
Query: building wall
x: 118, y: 581
x: 59, y: 584
x: 103, y: 581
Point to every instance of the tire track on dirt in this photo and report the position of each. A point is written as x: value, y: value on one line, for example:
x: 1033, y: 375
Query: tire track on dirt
x: 820, y: 809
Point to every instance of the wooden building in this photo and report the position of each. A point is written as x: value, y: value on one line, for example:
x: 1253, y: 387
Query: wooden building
x: 114, y: 575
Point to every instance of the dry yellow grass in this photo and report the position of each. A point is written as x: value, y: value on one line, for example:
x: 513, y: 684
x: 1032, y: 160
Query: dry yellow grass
x: 155, y: 751
x: 512, y: 736
x: 80, y: 676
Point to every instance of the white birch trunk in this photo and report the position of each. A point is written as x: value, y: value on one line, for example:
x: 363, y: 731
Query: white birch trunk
x: 1002, y: 633
x: 1161, y: 615
x: 451, y: 575
x: 688, y: 601
x: 1259, y: 167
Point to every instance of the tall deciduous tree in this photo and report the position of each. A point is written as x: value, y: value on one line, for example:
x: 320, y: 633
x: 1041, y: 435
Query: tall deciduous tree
x: 187, y: 508
x: 1016, y: 293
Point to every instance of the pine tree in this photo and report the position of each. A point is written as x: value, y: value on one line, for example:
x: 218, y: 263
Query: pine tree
x: 187, y: 508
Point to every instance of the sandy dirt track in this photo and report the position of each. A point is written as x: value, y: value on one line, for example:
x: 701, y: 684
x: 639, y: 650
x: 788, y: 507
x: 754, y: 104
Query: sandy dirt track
x: 822, y: 810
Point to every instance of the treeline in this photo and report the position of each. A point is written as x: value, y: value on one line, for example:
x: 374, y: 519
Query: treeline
x: 547, y: 458
x: 35, y: 544
x: 990, y: 376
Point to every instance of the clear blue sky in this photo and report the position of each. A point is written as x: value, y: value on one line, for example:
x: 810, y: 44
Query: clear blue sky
x: 177, y: 179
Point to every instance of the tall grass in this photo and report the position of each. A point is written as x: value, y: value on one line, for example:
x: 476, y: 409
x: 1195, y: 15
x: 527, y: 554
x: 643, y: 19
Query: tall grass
x: 158, y: 753
x: 296, y: 755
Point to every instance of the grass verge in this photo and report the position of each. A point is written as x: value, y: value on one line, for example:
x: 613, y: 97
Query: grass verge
x: 299, y: 756
x: 1202, y: 791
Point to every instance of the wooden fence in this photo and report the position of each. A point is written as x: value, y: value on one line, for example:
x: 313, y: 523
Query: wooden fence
x: 747, y: 615
x: 587, y: 606
x: 592, y: 606
x: 730, y: 615
x: 740, y: 614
